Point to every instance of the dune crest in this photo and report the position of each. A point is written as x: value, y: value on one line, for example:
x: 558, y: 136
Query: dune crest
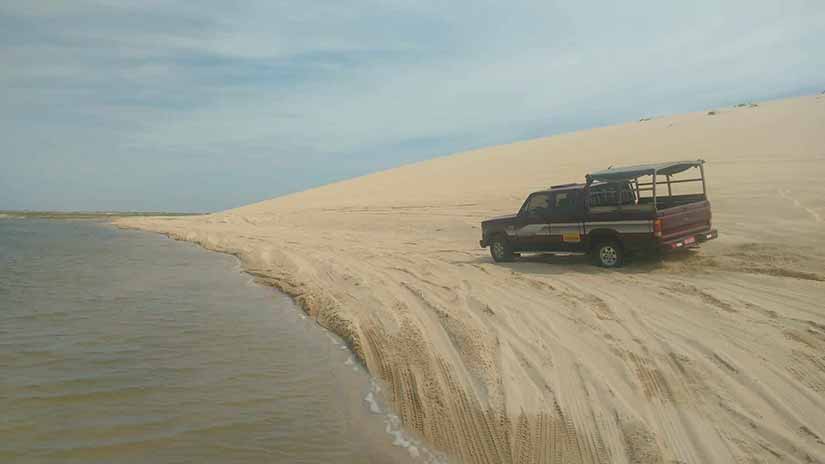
x: 716, y: 356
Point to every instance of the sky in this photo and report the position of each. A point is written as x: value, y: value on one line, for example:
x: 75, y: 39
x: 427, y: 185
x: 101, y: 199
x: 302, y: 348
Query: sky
x: 202, y: 106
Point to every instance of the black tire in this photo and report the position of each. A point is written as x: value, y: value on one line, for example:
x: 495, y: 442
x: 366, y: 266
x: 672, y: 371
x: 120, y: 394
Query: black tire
x: 608, y: 253
x: 500, y: 249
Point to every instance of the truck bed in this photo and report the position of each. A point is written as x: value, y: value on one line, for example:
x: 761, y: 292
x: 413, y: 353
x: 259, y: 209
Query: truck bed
x: 663, y: 203
x: 686, y: 215
x: 685, y: 219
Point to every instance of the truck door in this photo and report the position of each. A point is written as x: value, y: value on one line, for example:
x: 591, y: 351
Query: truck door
x: 533, y: 230
x: 565, y: 221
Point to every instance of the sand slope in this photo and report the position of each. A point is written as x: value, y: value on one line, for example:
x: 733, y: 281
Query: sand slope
x: 713, y: 356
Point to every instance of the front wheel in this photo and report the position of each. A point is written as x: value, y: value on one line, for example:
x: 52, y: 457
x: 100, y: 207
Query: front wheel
x: 500, y: 249
x: 608, y: 254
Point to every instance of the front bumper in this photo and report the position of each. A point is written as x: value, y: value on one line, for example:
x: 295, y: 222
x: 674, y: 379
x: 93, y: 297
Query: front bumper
x: 689, y: 241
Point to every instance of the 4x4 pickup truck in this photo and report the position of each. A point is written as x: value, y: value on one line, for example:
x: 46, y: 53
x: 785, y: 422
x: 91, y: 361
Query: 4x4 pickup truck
x: 610, y: 215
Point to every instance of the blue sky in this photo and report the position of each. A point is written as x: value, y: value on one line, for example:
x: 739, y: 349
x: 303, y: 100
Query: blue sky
x: 202, y: 106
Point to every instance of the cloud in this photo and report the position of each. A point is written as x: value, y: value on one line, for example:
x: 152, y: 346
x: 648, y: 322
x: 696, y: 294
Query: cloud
x: 209, y: 105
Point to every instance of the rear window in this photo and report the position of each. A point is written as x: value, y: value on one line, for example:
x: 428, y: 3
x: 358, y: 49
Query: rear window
x: 612, y: 195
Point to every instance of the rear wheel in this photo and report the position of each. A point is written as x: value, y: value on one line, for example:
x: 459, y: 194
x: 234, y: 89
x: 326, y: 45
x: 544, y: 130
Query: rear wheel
x: 608, y: 254
x: 500, y: 249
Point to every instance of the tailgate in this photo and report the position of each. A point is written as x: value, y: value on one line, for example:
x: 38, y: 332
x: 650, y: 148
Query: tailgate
x: 685, y: 220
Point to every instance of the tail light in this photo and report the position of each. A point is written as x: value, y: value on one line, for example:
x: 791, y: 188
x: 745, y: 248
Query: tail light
x: 657, y: 228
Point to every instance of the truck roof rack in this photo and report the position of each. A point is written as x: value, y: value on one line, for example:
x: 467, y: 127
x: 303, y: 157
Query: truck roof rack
x: 563, y: 185
x: 632, y: 172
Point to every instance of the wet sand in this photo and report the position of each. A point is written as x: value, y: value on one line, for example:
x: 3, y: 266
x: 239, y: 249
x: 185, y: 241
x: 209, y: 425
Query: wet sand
x: 713, y: 356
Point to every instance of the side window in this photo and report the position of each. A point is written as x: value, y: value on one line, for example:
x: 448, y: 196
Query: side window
x: 539, y: 205
x: 564, y: 203
x: 563, y: 200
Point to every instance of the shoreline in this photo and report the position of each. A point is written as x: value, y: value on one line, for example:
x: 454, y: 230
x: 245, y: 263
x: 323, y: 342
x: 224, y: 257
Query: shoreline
x: 87, y: 215
x: 258, y: 276
x: 376, y: 402
x: 147, y: 323
x: 549, y: 359
x: 307, y: 304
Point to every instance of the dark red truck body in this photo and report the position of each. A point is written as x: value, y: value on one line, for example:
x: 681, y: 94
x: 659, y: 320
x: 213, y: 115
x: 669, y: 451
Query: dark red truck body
x: 612, y: 207
x: 680, y: 223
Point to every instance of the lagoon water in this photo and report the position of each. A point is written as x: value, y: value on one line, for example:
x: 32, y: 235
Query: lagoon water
x: 122, y: 346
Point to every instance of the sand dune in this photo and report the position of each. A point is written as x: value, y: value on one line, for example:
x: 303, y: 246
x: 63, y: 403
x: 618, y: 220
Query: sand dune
x: 716, y: 356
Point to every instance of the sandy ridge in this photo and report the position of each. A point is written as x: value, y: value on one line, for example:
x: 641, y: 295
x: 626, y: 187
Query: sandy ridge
x: 714, y: 356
